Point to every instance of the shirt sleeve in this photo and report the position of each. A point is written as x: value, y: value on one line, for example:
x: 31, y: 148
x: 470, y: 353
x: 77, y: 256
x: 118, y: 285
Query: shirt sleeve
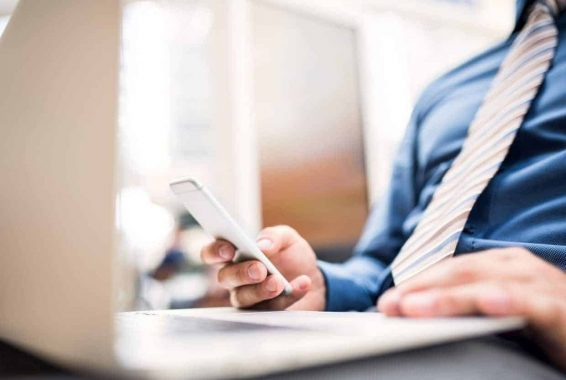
x: 356, y: 284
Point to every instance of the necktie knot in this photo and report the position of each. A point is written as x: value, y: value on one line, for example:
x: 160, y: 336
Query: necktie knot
x: 555, y: 7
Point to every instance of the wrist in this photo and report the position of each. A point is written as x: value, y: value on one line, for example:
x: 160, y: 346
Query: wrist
x: 318, y: 290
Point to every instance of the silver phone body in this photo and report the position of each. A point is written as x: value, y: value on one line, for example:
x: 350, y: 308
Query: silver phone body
x: 216, y: 221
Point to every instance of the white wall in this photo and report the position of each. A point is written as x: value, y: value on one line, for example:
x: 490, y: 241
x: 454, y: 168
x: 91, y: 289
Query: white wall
x: 402, y: 54
x: 404, y: 45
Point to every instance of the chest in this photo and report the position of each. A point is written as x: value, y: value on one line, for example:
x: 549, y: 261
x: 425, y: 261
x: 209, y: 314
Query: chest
x: 449, y: 107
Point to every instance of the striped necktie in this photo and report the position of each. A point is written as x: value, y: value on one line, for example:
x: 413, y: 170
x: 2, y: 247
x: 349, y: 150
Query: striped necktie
x: 488, y: 140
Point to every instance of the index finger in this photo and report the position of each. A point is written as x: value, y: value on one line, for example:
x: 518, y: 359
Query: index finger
x: 465, y: 269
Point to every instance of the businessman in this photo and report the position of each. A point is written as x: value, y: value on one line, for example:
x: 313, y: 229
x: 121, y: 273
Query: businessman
x: 474, y: 221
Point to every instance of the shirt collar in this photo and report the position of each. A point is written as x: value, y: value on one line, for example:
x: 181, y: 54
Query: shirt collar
x: 521, y: 7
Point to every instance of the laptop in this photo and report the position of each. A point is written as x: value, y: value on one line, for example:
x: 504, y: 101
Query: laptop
x: 59, y: 63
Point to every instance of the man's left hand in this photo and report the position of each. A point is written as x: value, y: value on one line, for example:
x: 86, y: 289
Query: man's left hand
x: 504, y: 282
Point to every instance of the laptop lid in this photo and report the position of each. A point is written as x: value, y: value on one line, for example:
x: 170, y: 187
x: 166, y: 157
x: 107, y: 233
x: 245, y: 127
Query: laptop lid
x: 59, y: 64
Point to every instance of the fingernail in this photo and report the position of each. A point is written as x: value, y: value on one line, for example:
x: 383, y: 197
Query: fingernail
x: 225, y: 252
x: 303, y: 284
x: 389, y: 301
x: 419, y: 304
x: 271, y: 284
x: 253, y: 272
x: 264, y: 244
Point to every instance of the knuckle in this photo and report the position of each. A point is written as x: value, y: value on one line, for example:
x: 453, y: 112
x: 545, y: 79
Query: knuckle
x: 541, y: 268
x: 203, y: 253
x: 271, y: 287
x: 263, y: 292
x: 554, y: 310
x: 446, y: 303
x: 508, y: 255
x: 466, y: 271
x: 545, y: 273
x: 560, y: 313
x: 504, y: 254
x: 261, y: 271
x: 502, y: 286
x: 221, y: 276
x: 514, y: 253
x: 245, y: 297
x: 235, y: 299
x: 520, y: 252
x: 242, y: 273
x: 229, y: 275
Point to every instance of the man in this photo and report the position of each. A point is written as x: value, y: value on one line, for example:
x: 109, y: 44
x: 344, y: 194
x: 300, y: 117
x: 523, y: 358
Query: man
x: 482, y: 169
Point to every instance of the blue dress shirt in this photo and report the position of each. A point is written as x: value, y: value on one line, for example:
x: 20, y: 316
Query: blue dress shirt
x: 524, y: 204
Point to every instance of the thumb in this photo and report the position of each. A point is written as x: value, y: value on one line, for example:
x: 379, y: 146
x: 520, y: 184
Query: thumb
x: 272, y: 240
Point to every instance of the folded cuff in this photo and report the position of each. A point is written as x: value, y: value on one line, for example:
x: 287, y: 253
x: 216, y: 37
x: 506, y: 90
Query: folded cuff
x: 352, y: 285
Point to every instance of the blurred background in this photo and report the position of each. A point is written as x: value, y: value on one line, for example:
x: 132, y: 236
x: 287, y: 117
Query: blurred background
x: 290, y: 111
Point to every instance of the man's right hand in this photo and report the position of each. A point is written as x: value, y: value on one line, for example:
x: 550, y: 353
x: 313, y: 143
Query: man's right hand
x: 251, y: 287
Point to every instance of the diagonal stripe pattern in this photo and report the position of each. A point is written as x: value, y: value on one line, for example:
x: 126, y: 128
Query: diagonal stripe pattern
x: 490, y: 135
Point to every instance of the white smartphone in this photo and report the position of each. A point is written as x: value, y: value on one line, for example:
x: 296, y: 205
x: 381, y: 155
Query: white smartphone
x: 215, y: 220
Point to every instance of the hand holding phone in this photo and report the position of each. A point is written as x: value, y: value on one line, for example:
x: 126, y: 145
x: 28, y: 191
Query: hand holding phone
x: 215, y: 220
